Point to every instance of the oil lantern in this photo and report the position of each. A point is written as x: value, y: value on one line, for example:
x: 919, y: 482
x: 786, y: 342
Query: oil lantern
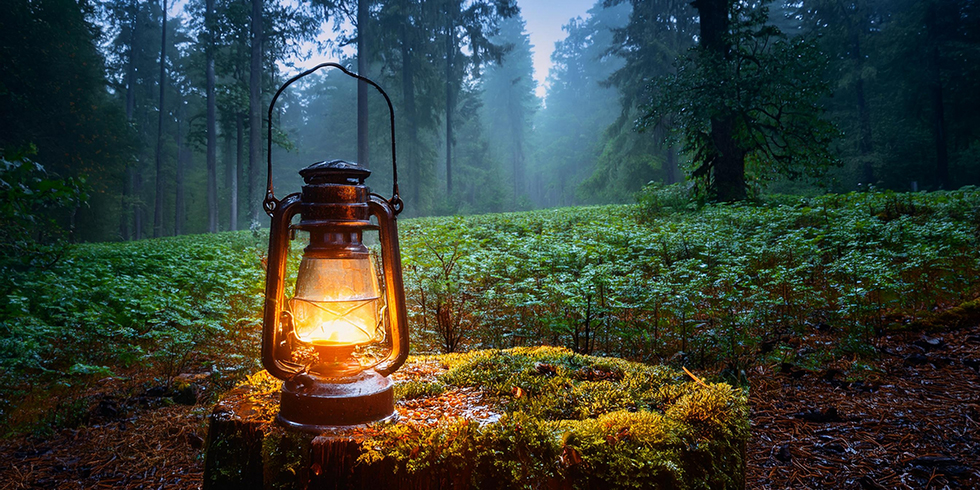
x: 344, y: 328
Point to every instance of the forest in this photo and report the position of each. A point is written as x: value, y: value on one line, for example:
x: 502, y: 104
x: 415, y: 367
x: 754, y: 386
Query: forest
x: 780, y: 196
x: 160, y: 110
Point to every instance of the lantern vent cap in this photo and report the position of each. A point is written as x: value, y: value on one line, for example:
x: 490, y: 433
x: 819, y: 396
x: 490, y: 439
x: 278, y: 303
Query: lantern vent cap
x: 334, y: 172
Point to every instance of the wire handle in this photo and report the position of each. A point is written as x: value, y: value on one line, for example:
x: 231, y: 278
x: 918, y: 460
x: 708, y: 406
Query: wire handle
x: 271, y: 203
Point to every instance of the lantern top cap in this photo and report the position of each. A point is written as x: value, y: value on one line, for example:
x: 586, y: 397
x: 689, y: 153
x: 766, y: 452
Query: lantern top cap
x: 334, y: 172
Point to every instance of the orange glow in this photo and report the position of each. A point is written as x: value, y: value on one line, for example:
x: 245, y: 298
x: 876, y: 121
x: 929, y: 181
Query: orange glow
x: 337, y: 302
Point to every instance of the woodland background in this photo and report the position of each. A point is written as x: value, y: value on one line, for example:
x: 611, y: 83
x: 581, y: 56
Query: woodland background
x: 145, y: 119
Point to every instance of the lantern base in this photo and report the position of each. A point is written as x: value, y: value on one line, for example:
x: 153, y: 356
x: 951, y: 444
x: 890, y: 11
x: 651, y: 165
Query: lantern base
x: 315, y: 405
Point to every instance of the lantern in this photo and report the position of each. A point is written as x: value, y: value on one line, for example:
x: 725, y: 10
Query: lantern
x: 344, y: 330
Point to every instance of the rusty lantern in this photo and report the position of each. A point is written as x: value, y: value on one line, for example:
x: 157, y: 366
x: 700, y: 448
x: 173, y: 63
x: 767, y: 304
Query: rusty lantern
x: 344, y: 330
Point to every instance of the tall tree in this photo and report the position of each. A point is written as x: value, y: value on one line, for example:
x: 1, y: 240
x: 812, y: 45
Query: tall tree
x: 845, y: 30
x: 467, y: 24
x: 510, y: 101
x: 53, y: 95
x: 158, y: 196
x: 130, y: 211
x: 657, y: 33
x: 255, y: 112
x: 212, y: 125
x: 579, y: 105
x: 746, y: 94
x: 363, y: 61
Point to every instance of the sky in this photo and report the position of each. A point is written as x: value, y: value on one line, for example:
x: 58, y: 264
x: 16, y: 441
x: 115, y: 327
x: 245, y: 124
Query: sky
x: 544, y: 20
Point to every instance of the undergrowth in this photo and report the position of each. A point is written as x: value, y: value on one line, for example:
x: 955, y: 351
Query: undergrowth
x: 722, y: 285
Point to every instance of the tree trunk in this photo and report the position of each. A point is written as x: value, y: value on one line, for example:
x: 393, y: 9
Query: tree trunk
x: 134, y: 38
x: 137, y: 186
x: 671, y: 165
x: 727, y: 159
x: 450, y: 102
x: 865, y: 144
x: 255, y: 113
x: 363, y: 56
x: 939, y: 122
x: 936, y: 98
x: 239, y: 165
x: 212, y: 150
x: 729, y: 162
x: 179, y: 205
x: 123, y: 199
x: 408, y: 91
x: 517, y: 152
x: 158, y: 197
x: 227, y: 155
x: 128, y: 210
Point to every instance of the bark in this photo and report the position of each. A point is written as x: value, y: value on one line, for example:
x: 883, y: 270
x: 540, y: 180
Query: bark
x: 137, y: 186
x: 212, y: 149
x: 127, y: 214
x: 671, y: 165
x: 727, y: 159
x: 936, y: 98
x: 123, y: 214
x: 865, y: 144
x: 179, y: 204
x: 450, y: 100
x: 158, y: 197
x: 729, y: 162
x: 408, y: 91
x: 939, y: 122
x: 134, y: 39
x: 227, y: 155
x: 255, y: 113
x: 517, y: 153
x: 363, y: 55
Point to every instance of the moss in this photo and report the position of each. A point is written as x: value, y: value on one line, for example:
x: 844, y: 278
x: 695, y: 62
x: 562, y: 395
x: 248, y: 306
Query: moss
x: 410, y: 390
x: 578, y: 421
x: 567, y: 421
x: 442, y: 453
x: 627, y: 450
x: 967, y: 313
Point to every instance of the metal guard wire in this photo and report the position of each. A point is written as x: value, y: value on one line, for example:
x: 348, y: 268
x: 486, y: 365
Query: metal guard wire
x: 270, y: 203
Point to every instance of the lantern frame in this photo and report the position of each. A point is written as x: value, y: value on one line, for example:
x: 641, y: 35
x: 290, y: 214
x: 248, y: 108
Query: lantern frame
x: 335, y: 207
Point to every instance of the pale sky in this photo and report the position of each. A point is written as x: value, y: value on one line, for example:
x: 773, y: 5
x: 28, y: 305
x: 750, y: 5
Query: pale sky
x: 544, y: 20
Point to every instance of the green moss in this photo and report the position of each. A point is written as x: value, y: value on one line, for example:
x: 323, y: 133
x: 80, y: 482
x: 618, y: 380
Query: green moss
x: 567, y: 421
x: 966, y: 313
x: 418, y: 389
x: 575, y: 420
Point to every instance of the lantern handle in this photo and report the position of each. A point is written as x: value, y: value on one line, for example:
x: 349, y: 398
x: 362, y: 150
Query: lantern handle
x: 271, y: 203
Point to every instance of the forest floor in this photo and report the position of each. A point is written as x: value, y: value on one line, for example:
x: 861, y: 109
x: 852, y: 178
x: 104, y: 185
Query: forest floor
x: 910, y: 420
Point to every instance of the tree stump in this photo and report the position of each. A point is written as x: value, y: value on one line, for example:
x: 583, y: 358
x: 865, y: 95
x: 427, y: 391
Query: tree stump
x: 519, y: 418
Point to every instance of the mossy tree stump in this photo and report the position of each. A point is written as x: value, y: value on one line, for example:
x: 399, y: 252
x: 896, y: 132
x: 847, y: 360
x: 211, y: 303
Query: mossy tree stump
x: 518, y: 418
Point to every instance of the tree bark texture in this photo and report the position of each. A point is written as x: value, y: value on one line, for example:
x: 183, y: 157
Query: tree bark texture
x: 727, y: 159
